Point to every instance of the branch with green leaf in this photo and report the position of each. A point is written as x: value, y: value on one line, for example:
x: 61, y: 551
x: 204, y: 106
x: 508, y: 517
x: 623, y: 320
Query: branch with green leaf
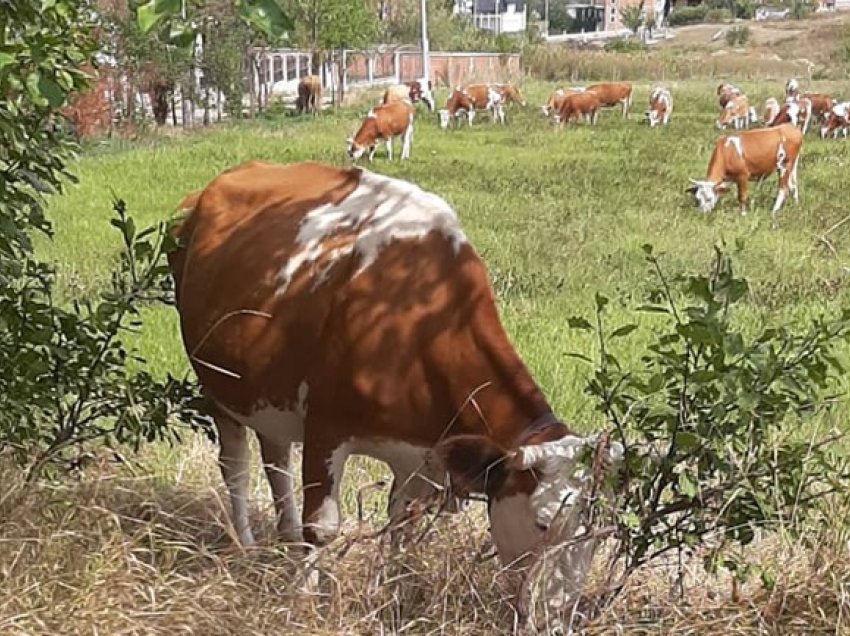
x: 723, y: 427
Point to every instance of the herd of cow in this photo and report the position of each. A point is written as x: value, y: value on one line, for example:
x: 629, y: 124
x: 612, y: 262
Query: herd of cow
x: 739, y: 158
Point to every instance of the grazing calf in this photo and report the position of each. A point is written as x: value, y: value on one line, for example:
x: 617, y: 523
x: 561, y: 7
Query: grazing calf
x: 726, y: 92
x: 613, y: 94
x: 382, y: 123
x: 749, y: 156
x: 577, y: 105
x: 347, y: 311
x: 771, y: 111
x: 309, y: 95
x: 556, y: 99
x: 837, y: 121
x: 660, y: 106
x: 461, y: 101
x: 737, y: 113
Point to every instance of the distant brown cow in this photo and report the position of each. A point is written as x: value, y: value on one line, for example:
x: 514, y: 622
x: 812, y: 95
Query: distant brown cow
x: 578, y: 105
x: 726, y: 92
x: 309, y: 95
x: 509, y: 93
x: 556, y: 99
x: 612, y: 94
x: 795, y: 112
x: 660, y: 106
x: 821, y: 105
x: 467, y: 101
x: 838, y: 120
x: 749, y: 156
x: 737, y: 113
x: 382, y: 123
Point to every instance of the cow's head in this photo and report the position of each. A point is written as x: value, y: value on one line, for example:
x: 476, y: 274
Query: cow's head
x: 728, y: 113
x: 792, y: 87
x: 355, y: 150
x: 445, y: 117
x: 527, y: 489
x: 706, y: 193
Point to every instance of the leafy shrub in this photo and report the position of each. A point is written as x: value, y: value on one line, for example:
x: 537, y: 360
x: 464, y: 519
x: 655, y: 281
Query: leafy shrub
x: 714, y: 422
x: 800, y: 9
x: 745, y: 9
x: 625, y: 45
x: 687, y: 15
x: 738, y: 35
x: 718, y: 15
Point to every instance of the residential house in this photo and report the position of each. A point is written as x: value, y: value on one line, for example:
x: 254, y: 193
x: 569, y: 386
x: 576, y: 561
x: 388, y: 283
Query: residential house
x: 498, y: 16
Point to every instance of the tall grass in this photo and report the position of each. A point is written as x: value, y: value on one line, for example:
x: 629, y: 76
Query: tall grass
x: 145, y: 547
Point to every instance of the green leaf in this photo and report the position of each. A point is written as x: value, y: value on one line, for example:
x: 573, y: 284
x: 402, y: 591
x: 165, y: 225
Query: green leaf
x: 577, y: 322
x: 265, y: 16
x: 6, y: 59
x: 601, y: 301
x: 152, y: 13
x: 687, y: 486
x: 33, y: 81
x: 686, y: 442
x: 625, y: 330
x: 52, y: 91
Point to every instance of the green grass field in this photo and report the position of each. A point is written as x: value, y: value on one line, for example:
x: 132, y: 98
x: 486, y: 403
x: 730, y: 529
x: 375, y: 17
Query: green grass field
x: 146, y: 548
x: 556, y: 217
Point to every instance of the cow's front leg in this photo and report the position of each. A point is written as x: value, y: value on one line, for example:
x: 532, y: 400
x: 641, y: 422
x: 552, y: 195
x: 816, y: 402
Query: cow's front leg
x: 322, y: 469
x: 743, y: 185
x: 372, y: 151
x: 389, y: 148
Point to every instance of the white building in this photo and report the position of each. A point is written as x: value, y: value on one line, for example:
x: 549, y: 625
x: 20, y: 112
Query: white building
x: 498, y: 16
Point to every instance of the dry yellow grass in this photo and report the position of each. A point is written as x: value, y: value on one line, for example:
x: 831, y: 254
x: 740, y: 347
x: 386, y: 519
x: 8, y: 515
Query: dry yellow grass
x: 122, y: 550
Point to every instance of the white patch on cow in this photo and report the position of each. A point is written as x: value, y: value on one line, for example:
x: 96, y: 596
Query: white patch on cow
x: 379, y: 211
x: 281, y: 426
x: 371, y: 114
x: 736, y: 142
x: 781, y: 155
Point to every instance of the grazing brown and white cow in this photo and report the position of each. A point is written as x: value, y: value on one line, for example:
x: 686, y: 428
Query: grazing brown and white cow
x: 382, y: 123
x: 576, y: 105
x: 660, y: 106
x: 347, y: 311
x: 415, y: 91
x: 463, y: 103
x: 797, y: 112
x: 737, y: 113
x: 309, y: 95
x: 556, y: 99
x: 838, y: 121
x: 510, y: 93
x: 821, y: 106
x: 749, y: 156
x: 612, y: 94
x: 725, y: 93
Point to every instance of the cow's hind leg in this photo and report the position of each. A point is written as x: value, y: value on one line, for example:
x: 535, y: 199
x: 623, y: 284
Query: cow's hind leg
x: 277, y: 463
x: 743, y: 185
x: 234, y: 461
x: 389, y: 143
x: 792, y: 182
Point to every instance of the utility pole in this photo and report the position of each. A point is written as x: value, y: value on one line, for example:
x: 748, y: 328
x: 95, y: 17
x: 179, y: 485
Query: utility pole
x: 426, y: 54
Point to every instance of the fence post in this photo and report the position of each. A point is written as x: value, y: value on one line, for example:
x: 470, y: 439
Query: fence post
x: 285, y: 69
x: 344, y: 72
x: 297, y: 65
x: 370, y: 68
x: 397, y: 67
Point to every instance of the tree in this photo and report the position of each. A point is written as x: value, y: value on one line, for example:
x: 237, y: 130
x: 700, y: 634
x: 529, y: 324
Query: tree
x: 331, y: 26
x: 633, y: 17
x: 65, y: 382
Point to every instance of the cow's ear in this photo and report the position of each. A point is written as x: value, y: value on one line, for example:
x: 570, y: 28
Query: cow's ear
x: 475, y: 463
x: 721, y: 188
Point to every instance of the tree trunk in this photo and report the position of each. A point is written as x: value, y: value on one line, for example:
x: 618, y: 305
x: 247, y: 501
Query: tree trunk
x: 341, y: 91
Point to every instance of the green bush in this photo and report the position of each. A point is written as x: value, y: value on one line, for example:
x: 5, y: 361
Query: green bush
x: 625, y: 45
x: 710, y: 421
x: 687, y: 15
x: 718, y: 15
x: 738, y: 35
